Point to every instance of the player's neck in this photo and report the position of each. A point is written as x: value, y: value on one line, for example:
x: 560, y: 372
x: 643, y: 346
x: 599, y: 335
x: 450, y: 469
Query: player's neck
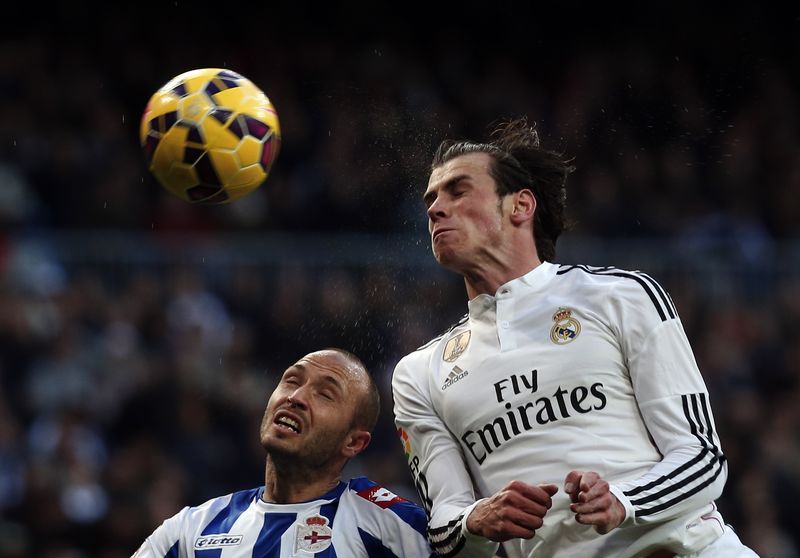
x: 289, y: 483
x: 488, y: 279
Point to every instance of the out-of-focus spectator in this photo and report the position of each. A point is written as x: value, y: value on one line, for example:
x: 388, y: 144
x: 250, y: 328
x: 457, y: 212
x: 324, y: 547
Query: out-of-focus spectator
x: 131, y: 370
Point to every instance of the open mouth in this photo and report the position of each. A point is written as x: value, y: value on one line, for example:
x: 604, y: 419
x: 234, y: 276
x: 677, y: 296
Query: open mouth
x: 286, y: 422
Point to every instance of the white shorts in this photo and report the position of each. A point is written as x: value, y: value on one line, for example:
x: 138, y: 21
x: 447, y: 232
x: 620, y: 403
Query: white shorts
x: 727, y: 546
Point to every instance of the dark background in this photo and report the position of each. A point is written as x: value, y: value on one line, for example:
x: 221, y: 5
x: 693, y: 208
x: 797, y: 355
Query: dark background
x: 140, y: 336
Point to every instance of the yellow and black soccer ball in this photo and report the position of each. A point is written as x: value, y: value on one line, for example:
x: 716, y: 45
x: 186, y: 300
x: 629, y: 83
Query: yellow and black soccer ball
x: 210, y: 136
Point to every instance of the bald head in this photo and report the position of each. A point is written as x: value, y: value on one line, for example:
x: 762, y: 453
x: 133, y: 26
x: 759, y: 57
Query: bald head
x: 318, y: 417
x: 367, y: 397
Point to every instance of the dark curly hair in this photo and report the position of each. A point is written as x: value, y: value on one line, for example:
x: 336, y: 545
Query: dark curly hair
x: 519, y: 162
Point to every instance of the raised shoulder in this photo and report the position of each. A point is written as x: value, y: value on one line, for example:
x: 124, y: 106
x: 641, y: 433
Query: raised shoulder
x: 218, y: 509
x: 444, y: 334
x: 374, y: 492
x: 424, y: 354
x: 384, y: 500
x: 633, y: 287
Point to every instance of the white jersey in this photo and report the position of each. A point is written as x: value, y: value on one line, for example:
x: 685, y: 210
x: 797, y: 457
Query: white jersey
x: 567, y: 367
x: 357, y: 519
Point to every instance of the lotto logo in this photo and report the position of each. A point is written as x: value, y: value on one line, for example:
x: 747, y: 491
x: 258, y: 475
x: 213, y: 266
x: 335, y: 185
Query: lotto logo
x: 380, y: 496
x: 217, y: 541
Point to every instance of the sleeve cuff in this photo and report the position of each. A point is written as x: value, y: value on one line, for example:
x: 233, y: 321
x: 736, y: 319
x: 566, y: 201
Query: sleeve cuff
x: 476, y: 541
x: 630, y: 513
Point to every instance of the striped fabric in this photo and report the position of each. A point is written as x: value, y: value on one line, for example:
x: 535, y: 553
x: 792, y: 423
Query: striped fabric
x: 357, y: 519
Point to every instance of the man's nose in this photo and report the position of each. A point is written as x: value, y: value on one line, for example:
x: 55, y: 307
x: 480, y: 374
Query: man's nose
x: 436, y: 209
x: 298, y: 397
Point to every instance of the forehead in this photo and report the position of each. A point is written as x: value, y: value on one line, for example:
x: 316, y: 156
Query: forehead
x: 330, y: 363
x: 471, y: 165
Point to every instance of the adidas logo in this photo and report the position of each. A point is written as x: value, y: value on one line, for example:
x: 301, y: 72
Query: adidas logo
x: 455, y: 375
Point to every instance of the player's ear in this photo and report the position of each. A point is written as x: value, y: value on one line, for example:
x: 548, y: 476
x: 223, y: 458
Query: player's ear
x: 524, y: 206
x: 355, y: 442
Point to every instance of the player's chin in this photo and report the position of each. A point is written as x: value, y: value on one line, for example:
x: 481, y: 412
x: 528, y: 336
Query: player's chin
x: 278, y: 438
x: 444, y: 255
x: 281, y: 446
x: 449, y: 260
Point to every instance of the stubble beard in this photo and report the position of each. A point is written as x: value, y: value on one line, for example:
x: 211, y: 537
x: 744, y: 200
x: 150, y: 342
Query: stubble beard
x: 313, y: 453
x: 447, y: 257
x: 453, y: 260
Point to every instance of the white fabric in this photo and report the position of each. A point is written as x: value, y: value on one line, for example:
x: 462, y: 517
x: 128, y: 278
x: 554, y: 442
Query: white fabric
x: 727, y: 546
x: 567, y: 367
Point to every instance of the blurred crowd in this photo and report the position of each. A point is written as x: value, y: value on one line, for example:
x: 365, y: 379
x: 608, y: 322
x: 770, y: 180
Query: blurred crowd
x: 132, y: 386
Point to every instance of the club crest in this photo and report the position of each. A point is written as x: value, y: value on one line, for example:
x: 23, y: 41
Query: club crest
x: 456, y: 346
x: 313, y: 534
x: 566, y: 328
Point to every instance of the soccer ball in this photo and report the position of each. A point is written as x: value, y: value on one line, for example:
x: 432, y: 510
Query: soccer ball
x: 210, y: 136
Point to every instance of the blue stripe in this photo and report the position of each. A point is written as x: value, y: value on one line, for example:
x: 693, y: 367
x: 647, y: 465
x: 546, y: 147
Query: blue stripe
x: 333, y: 493
x: 173, y: 552
x: 228, y: 515
x: 360, y: 483
x: 374, y: 547
x: 329, y: 511
x: 225, y: 519
x: 405, y: 510
x: 268, y: 543
x: 413, y: 515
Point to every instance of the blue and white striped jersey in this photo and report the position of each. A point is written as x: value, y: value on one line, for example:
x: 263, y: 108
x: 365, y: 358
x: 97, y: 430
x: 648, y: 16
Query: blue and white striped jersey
x: 357, y: 519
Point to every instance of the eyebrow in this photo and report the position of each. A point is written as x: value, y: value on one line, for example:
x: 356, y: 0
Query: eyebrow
x: 430, y: 195
x: 334, y: 381
x: 294, y: 368
x: 328, y: 378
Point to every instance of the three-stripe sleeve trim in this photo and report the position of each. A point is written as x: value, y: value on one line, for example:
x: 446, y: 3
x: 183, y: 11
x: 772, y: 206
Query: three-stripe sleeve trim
x: 447, y: 540
x: 702, y: 429
x: 662, y: 294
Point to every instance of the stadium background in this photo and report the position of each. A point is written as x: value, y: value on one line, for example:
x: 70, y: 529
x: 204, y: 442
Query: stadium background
x: 140, y: 336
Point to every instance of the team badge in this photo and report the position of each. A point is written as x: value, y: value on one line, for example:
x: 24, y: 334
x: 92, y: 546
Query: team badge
x: 456, y: 346
x: 313, y: 535
x: 566, y: 328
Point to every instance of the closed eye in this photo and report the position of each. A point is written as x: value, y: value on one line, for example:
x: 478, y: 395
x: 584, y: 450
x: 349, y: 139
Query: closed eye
x: 291, y: 380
